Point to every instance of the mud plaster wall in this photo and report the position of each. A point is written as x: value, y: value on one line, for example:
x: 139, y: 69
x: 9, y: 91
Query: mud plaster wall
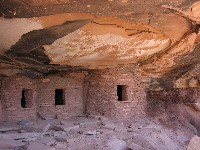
x: 159, y: 101
x: 43, y: 96
x: 102, y: 93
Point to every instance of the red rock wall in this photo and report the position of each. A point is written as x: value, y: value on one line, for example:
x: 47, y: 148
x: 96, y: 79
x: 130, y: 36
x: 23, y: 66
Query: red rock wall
x: 43, y: 94
x: 102, y: 94
x: 158, y: 101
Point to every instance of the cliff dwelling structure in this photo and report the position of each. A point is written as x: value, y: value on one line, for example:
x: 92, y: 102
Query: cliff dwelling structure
x: 99, y: 75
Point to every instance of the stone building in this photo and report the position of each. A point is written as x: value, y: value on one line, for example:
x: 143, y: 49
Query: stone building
x: 105, y: 92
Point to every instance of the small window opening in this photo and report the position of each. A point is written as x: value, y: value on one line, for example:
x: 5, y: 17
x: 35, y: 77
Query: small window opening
x: 59, y: 97
x: 26, y: 99
x: 121, y: 93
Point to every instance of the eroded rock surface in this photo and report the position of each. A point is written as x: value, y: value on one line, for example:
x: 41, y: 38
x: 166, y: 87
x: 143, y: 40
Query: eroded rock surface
x: 153, y: 37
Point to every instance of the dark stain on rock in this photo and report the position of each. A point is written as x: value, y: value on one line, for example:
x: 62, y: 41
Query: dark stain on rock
x: 28, y: 52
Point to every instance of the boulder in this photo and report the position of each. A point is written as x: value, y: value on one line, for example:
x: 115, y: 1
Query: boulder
x: 196, y: 106
x: 116, y: 144
x: 194, y: 143
x: 145, y: 142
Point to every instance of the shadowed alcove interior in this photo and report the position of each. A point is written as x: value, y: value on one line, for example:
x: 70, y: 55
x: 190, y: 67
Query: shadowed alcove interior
x: 59, y: 97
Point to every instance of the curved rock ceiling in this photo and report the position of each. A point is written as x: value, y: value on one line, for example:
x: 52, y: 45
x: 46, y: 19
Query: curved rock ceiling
x: 107, y: 41
x: 159, y: 38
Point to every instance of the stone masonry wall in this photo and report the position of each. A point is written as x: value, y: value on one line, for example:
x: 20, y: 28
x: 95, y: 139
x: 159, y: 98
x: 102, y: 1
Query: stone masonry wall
x: 11, y: 99
x: 1, y: 107
x: 102, y: 94
x: 42, y: 96
x: 72, y: 85
x: 95, y: 93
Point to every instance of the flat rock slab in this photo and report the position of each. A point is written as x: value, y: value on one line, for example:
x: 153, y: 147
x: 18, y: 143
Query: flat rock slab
x: 21, y: 136
x: 40, y: 126
x: 6, y: 143
x: 66, y: 138
x: 120, y: 129
x: 109, y: 126
x: 46, y: 128
x: 131, y: 130
x: 105, y: 120
x: 94, y: 132
x: 5, y: 129
x: 39, y: 146
x: 67, y: 123
x: 136, y: 126
x: 46, y: 141
x: 87, y: 121
x: 143, y: 141
x: 95, y: 116
x: 25, y: 122
x: 61, y: 145
x: 134, y: 146
x: 65, y: 127
x: 46, y: 117
x: 104, y: 131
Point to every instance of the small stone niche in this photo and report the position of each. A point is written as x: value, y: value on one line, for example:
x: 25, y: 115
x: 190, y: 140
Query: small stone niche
x: 26, y: 98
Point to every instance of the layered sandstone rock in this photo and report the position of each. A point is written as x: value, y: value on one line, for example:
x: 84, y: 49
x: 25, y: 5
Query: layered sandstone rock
x: 75, y: 35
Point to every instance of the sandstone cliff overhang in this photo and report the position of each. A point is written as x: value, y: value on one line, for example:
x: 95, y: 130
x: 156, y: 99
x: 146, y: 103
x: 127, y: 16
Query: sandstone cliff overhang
x: 161, y: 39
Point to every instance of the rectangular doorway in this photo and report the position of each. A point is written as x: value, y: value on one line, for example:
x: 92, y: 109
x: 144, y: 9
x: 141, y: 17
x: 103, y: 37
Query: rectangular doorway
x: 26, y: 98
x: 59, y: 97
x: 121, y: 92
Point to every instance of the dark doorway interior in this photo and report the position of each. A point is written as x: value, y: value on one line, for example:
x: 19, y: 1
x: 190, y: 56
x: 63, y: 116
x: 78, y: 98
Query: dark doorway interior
x: 59, y: 97
x: 121, y: 92
x: 26, y: 98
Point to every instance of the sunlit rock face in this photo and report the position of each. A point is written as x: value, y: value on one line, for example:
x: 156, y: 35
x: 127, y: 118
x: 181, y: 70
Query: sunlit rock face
x: 193, y: 12
x: 16, y: 28
x: 12, y: 29
x: 22, y: 40
x: 159, y: 38
x: 107, y: 41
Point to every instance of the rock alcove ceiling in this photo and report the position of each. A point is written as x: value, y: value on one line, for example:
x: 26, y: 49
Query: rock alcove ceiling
x: 160, y: 38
